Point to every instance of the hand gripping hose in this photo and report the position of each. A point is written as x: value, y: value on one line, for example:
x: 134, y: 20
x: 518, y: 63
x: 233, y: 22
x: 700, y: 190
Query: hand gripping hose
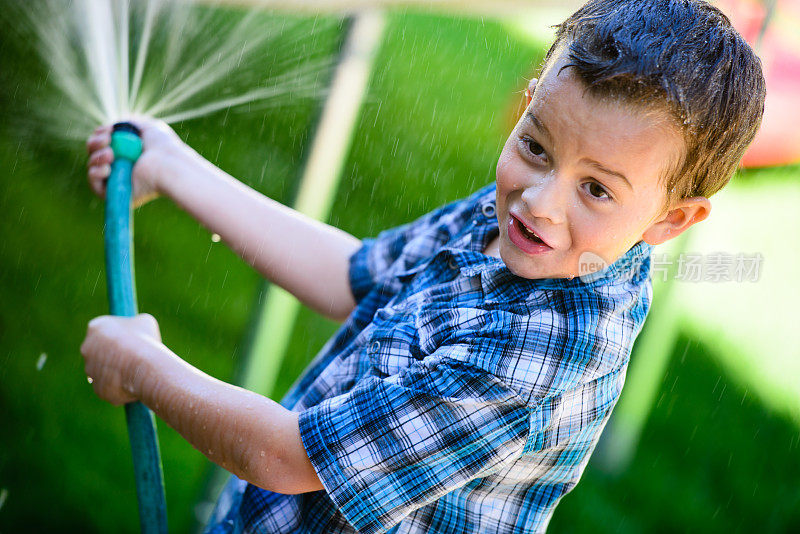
x: 127, y: 146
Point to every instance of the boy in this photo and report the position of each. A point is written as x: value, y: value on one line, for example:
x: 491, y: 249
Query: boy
x: 479, y: 359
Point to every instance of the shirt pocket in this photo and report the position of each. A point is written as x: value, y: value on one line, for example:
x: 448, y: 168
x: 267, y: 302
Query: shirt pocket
x: 441, y: 323
x: 393, y: 344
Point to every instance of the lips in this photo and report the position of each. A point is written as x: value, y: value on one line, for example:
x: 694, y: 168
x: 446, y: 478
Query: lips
x: 525, y: 238
x: 527, y: 230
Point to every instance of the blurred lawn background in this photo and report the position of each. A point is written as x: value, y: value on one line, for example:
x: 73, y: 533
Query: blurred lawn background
x: 717, y: 453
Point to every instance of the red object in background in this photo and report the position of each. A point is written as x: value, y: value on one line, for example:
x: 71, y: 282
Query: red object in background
x: 778, y: 140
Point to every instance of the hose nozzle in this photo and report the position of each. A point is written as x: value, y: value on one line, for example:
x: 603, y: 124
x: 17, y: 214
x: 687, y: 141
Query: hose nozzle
x: 126, y: 141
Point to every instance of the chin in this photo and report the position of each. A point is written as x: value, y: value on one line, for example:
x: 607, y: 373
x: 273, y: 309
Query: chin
x: 532, y: 274
x: 514, y: 261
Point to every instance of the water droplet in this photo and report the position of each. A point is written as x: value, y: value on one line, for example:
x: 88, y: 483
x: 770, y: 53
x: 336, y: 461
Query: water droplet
x: 41, y: 361
x: 263, y: 453
x: 215, y: 238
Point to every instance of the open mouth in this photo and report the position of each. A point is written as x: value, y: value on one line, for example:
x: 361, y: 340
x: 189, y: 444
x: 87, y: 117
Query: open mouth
x: 527, y: 234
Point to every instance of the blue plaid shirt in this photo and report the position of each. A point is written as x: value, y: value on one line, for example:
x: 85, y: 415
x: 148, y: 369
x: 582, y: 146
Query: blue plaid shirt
x: 457, y: 397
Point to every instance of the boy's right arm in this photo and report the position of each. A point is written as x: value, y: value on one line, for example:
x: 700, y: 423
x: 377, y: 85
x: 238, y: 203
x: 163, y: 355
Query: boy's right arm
x: 308, y: 258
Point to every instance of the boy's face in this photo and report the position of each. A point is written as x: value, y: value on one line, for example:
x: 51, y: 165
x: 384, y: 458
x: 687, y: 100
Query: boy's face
x: 585, y: 175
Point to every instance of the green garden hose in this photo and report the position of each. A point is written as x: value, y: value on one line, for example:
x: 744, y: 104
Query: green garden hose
x: 127, y: 146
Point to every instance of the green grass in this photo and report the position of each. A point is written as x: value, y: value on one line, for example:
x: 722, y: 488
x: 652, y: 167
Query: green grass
x: 712, y: 459
x: 439, y: 108
x: 751, y: 322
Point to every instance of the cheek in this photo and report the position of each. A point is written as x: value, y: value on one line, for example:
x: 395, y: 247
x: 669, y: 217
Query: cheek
x: 512, y: 172
x: 504, y: 164
x: 597, y: 233
x: 612, y: 236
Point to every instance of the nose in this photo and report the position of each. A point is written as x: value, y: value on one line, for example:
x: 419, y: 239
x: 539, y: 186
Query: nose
x: 546, y: 199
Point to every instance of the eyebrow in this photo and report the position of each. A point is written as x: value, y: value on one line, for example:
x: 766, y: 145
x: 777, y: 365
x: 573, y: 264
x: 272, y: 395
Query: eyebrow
x: 599, y: 166
x: 539, y: 125
x: 596, y: 164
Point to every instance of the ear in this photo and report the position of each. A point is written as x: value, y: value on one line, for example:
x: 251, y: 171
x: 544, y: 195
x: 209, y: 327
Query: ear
x: 529, y: 91
x: 683, y: 214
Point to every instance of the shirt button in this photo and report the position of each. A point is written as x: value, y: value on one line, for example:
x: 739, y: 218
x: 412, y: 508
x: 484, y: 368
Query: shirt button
x: 375, y: 346
x: 488, y: 209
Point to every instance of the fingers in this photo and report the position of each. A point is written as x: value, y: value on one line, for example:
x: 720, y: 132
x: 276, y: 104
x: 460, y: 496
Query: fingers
x: 149, y: 325
x: 103, y: 156
x: 97, y: 321
x: 115, y: 396
x: 147, y: 321
x: 98, y: 176
x: 101, y: 138
x: 91, y: 329
x: 100, y: 158
x: 104, y: 353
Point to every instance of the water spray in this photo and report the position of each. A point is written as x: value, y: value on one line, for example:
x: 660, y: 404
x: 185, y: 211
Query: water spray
x: 126, y: 143
x: 119, y: 58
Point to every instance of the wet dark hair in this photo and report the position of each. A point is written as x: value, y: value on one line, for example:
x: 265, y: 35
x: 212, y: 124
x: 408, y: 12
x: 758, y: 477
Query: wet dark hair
x: 681, y: 56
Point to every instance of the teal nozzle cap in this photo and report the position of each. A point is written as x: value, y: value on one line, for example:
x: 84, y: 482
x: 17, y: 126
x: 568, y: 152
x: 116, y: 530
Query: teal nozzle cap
x: 126, y: 141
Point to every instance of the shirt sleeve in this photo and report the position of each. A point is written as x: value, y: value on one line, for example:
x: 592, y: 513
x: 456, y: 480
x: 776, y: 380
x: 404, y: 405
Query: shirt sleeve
x: 392, y: 445
x: 413, y: 242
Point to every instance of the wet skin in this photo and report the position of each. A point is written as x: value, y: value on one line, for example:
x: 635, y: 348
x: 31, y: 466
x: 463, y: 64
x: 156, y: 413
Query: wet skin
x: 584, y: 175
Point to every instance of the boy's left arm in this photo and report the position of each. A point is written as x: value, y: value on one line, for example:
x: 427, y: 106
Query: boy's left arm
x: 251, y: 436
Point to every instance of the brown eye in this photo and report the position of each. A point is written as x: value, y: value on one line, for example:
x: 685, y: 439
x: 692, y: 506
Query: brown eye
x: 533, y: 148
x: 596, y: 190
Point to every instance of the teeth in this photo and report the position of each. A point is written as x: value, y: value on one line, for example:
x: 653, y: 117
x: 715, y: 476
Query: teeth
x: 528, y: 233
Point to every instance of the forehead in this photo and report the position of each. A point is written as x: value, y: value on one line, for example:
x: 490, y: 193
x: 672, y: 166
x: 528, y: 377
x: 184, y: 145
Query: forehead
x: 620, y: 134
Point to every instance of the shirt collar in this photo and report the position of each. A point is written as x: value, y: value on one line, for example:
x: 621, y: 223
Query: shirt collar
x: 500, y: 284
